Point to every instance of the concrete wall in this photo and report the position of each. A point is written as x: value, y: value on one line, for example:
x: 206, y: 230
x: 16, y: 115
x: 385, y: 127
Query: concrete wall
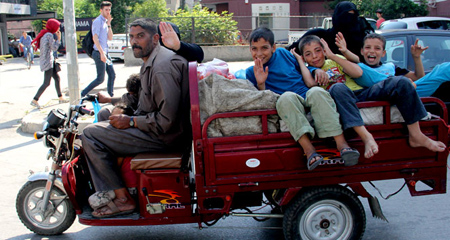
x: 225, y: 53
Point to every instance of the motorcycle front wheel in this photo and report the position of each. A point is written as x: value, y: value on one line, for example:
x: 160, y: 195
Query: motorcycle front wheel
x: 58, y: 216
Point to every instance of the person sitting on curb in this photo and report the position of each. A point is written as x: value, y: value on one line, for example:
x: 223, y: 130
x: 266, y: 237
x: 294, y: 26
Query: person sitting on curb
x: 277, y: 70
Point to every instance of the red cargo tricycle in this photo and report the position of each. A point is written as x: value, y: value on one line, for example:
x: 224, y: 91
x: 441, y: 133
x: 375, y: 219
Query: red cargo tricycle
x: 223, y: 174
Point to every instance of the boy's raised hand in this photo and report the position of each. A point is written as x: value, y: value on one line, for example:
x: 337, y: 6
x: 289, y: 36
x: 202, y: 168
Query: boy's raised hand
x: 260, y: 74
x: 326, y: 49
x: 416, y: 49
x: 341, y: 43
x: 297, y: 56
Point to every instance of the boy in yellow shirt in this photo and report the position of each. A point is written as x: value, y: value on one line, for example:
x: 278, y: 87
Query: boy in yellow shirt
x: 339, y: 70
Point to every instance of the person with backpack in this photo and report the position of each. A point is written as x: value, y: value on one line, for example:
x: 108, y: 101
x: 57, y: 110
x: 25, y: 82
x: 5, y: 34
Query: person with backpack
x: 101, y: 33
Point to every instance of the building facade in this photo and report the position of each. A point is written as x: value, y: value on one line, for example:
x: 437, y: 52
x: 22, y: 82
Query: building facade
x: 281, y: 16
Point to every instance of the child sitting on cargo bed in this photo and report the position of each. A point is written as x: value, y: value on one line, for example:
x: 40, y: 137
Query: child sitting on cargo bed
x: 277, y: 70
x: 397, y: 90
x: 426, y: 85
x: 316, y: 53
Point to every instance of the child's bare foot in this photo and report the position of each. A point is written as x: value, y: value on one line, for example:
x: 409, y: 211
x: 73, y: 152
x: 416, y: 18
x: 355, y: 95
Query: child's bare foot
x: 424, y: 141
x: 371, y: 148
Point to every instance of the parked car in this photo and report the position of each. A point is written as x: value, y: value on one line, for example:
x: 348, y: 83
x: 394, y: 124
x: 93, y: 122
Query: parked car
x: 398, y: 47
x: 398, y: 51
x: 441, y: 23
x: 327, y: 23
x: 117, y: 45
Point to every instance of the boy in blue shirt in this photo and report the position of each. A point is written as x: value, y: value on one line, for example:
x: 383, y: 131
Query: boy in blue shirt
x: 426, y: 85
x: 277, y: 70
x: 398, y: 90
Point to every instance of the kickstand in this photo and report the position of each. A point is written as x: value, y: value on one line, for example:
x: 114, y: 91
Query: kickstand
x: 375, y: 208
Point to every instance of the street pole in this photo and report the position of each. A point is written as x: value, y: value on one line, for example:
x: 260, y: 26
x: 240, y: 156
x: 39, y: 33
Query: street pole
x: 71, y: 51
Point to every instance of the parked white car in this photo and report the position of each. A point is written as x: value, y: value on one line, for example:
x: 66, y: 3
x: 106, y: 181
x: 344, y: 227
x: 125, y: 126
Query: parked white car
x: 327, y: 23
x: 117, y: 45
x: 440, y: 23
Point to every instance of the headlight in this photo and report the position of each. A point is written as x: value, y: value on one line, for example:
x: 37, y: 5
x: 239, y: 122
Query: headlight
x: 56, y: 118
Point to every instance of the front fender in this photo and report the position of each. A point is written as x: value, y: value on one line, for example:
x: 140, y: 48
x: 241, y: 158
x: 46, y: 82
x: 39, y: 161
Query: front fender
x: 44, y: 176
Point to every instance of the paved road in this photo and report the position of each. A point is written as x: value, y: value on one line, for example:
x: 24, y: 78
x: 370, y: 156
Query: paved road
x: 410, y: 218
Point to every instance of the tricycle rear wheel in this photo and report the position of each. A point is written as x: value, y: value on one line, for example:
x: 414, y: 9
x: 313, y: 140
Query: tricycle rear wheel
x: 331, y: 212
x: 58, y: 217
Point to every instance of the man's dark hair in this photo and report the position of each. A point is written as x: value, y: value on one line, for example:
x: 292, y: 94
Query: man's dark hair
x: 134, y: 83
x: 264, y: 33
x: 306, y: 41
x: 375, y: 36
x: 127, y: 110
x: 105, y: 4
x: 147, y: 24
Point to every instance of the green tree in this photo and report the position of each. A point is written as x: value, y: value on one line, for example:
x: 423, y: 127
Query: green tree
x: 154, y: 9
x: 210, y: 28
x: 120, y: 11
x: 394, y: 9
x: 391, y: 9
x: 83, y: 9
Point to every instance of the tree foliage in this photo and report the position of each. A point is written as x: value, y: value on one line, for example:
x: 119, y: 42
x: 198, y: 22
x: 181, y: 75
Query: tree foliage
x: 391, y: 9
x: 83, y: 9
x: 120, y: 11
x: 209, y: 27
x: 154, y: 9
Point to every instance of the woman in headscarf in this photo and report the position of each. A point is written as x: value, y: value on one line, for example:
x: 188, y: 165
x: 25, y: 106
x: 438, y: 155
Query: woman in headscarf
x: 48, y: 44
x: 346, y: 20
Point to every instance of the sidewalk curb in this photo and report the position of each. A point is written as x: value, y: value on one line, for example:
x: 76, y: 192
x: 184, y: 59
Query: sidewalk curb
x: 34, y: 121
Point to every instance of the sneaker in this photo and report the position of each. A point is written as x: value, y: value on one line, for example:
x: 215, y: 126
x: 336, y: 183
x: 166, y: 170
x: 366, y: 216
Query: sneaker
x: 35, y: 104
x: 63, y: 101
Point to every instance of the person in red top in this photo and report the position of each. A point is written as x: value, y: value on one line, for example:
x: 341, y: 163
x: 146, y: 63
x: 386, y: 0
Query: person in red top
x: 380, y: 17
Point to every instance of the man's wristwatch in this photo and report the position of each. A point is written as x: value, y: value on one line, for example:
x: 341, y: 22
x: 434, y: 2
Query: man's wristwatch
x: 132, y: 122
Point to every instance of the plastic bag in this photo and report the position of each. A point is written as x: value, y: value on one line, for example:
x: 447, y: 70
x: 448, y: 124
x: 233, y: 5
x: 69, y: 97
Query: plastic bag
x: 240, y: 74
x: 96, y: 107
x: 216, y: 66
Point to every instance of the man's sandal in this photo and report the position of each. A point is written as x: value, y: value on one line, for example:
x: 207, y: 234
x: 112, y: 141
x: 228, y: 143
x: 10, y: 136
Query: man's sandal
x: 350, y: 156
x: 101, y: 199
x: 115, y: 211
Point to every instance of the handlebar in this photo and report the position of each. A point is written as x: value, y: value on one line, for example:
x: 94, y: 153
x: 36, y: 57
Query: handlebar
x: 89, y: 97
x: 82, y: 110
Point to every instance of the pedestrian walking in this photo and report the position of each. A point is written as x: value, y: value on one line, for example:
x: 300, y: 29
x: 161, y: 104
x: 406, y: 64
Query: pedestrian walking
x: 47, y: 44
x: 101, y: 33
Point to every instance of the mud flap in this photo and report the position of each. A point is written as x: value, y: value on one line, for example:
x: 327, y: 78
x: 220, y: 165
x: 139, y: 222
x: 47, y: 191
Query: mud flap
x: 374, y: 204
x: 375, y: 208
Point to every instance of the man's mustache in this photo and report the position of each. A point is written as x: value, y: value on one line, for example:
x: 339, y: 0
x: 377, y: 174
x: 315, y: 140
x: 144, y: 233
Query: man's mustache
x: 136, y: 46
